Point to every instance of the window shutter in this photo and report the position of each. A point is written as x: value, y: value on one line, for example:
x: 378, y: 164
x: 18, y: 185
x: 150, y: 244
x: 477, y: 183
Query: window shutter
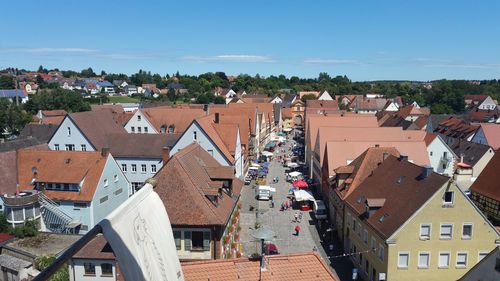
x: 206, y: 241
x: 187, y: 240
x: 177, y: 238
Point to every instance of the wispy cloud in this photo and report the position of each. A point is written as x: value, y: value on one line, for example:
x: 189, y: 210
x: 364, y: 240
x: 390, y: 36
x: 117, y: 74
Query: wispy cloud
x: 331, y: 61
x: 465, y: 66
x: 229, y: 58
x: 51, y: 50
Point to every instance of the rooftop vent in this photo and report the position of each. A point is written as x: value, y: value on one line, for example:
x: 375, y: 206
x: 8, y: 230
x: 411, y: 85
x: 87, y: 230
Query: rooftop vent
x: 382, y: 218
x: 401, y: 179
x: 426, y: 171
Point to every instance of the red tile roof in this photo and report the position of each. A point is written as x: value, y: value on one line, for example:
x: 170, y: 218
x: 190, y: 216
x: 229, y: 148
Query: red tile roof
x: 292, y: 267
x: 492, y: 134
x: 429, y: 138
x: 404, y: 189
x: 184, y: 182
x: 180, y: 118
x: 98, y: 248
x: 487, y: 182
x: 85, y: 167
x: 221, y: 134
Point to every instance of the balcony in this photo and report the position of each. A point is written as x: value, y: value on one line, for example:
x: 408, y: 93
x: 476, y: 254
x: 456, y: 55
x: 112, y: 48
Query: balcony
x: 24, y: 198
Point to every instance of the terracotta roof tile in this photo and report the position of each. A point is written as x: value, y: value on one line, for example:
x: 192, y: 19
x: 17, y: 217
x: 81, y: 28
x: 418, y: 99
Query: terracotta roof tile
x: 292, y: 267
x: 492, y: 134
x: 181, y: 118
x: 322, y: 104
x: 487, y: 182
x: 181, y: 185
x: 78, y: 166
x: 471, y: 152
x: 217, y: 133
x: 429, y: 138
x: 97, y: 248
x: 404, y: 189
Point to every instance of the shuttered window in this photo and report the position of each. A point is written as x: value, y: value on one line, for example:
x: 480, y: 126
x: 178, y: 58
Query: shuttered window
x: 187, y: 240
x: 177, y: 238
x: 206, y: 241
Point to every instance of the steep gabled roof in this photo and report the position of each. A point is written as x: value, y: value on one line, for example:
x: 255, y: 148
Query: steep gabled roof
x: 217, y: 133
x: 492, y: 134
x: 180, y: 118
x: 95, y: 125
x: 79, y: 167
x: 140, y: 145
x: 487, y: 182
x: 362, y: 167
x: 404, y: 189
x: 184, y: 183
x: 471, y: 152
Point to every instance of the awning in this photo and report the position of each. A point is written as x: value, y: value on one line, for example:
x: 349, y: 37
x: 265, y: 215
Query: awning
x: 295, y: 174
x: 292, y: 165
x: 253, y: 168
x: 302, y: 195
x: 270, y: 145
x: 287, y: 129
x: 267, y: 153
x: 300, y: 184
x: 255, y: 165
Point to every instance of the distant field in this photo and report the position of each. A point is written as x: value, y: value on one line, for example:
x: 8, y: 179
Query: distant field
x: 120, y: 99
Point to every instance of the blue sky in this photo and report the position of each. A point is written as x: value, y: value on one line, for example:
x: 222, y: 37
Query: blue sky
x: 365, y: 40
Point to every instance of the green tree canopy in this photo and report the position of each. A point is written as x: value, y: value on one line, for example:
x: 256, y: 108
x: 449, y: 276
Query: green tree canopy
x: 57, y: 99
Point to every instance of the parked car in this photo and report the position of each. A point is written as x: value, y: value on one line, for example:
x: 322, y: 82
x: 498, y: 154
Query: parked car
x: 319, y: 209
x: 265, y: 192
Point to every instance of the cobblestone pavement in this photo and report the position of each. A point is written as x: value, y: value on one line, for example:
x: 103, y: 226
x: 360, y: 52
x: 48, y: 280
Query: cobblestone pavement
x: 282, y: 223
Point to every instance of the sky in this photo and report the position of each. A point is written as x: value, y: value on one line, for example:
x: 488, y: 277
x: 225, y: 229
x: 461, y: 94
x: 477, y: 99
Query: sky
x: 363, y: 39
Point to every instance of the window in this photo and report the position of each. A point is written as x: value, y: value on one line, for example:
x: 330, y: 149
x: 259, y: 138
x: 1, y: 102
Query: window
x: 425, y: 231
x: 107, y: 269
x: 84, y: 147
x: 115, y: 178
x: 89, y: 268
x: 124, y: 168
x: 132, y: 129
x: 354, y: 223
x: 195, y: 137
x: 79, y: 205
x: 444, y: 260
x: 103, y: 199
x: 69, y: 132
x: 177, y: 238
x: 365, y: 236
x: 430, y: 153
x: 423, y: 260
x: 211, y: 152
x: 403, y: 259
x: 448, y: 198
x: 381, y: 252
x: 374, y: 245
x: 138, y: 117
x: 461, y: 259
x: 145, y: 129
x: 118, y: 191
x: 197, y: 240
x: 497, y: 264
x: 134, y: 168
x: 153, y: 168
x: 481, y: 255
x: 106, y: 182
x: 139, y: 130
x: 56, y: 146
x: 446, y: 231
x: 349, y: 219
x: 467, y: 231
x: 143, y: 168
x: 70, y: 147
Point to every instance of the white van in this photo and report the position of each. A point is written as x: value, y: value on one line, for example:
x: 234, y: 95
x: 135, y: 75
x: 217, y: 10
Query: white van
x: 265, y: 192
x: 319, y: 209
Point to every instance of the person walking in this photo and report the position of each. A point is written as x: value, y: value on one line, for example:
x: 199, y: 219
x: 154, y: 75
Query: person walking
x: 297, y: 230
x: 296, y: 216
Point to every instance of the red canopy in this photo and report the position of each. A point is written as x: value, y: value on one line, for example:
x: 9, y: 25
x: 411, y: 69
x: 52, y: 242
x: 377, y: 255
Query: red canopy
x: 300, y: 184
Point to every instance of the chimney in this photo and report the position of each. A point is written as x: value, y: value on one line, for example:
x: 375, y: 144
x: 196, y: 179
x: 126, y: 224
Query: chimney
x: 403, y: 158
x: 165, y: 154
x: 216, y: 119
x: 426, y: 171
x: 105, y: 152
x: 205, y: 108
x: 385, y: 155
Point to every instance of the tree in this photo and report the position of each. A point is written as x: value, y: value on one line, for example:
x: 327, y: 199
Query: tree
x: 12, y: 117
x: 62, y: 274
x: 219, y: 100
x: 308, y: 97
x: 57, y: 99
x: 6, y: 82
x: 202, y: 99
x: 172, y: 96
x: 88, y: 73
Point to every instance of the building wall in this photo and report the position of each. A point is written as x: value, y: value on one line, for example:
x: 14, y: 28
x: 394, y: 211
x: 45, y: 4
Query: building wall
x: 142, y: 123
x: 61, y: 137
x: 479, y: 137
x: 138, y: 176
x: 436, y: 150
x: 239, y: 158
x: 408, y: 239
x: 481, y: 164
x: 116, y: 191
x: 184, y: 254
x: 486, y: 270
x: 487, y: 104
x: 77, y: 270
x: 203, y: 140
x: 77, y: 213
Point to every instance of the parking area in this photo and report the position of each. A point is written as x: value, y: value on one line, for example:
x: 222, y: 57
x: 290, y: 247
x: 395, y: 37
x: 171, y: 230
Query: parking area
x: 311, y: 237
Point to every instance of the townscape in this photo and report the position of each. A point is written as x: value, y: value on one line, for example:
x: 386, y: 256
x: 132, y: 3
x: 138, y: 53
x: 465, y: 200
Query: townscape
x: 250, y: 140
x: 379, y: 190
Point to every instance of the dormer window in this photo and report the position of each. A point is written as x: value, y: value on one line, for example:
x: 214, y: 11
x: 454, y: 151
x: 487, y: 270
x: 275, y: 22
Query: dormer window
x: 138, y: 117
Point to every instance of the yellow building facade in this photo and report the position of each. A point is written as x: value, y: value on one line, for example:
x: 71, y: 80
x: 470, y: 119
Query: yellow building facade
x: 445, y: 238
